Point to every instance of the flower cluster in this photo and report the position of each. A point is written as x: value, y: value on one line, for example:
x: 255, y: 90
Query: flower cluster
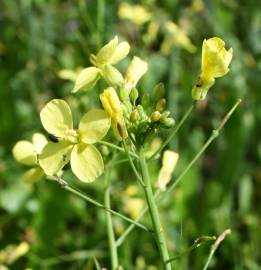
x: 129, y: 113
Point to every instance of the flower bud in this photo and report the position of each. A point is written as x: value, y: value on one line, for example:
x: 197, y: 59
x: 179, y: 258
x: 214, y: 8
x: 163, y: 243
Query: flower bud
x: 142, y: 113
x: 167, y: 122
x: 161, y: 104
x: 165, y: 114
x: 112, y: 105
x: 158, y: 92
x: 104, y: 150
x: 134, y: 94
x: 155, y: 116
x: 134, y: 116
x: 145, y: 100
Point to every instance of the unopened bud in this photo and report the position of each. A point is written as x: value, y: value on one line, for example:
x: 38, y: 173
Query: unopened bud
x: 142, y: 113
x: 134, y: 94
x: 158, y: 92
x: 165, y: 114
x: 104, y: 150
x: 155, y: 116
x: 161, y: 104
x: 167, y: 122
x: 145, y: 100
x: 134, y: 116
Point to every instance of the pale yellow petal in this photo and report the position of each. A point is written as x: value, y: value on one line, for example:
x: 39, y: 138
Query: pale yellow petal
x: 135, y: 71
x: 55, y: 156
x: 24, y: 152
x: 39, y: 142
x: 33, y: 175
x: 56, y: 117
x: 94, y: 125
x: 215, y: 58
x: 86, y: 162
x: 106, y: 52
x: 120, y: 53
x: 86, y: 79
x: 111, y: 75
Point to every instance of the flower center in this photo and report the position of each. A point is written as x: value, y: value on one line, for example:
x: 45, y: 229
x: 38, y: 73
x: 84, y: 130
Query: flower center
x: 72, y: 136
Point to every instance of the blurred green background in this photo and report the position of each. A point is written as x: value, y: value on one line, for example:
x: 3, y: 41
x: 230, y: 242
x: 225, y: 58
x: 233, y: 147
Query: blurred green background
x: 38, y: 38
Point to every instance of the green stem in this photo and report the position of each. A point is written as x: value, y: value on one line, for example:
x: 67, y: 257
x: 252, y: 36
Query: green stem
x: 174, y: 131
x: 94, y: 202
x: 154, y: 214
x: 192, y: 162
x: 215, y: 246
x: 110, y: 230
x: 197, y: 243
x: 139, y: 178
x: 213, y: 136
x: 117, y: 148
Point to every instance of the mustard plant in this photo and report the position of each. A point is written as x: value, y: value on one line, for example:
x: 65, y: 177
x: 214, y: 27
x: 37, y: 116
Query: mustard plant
x: 136, y: 119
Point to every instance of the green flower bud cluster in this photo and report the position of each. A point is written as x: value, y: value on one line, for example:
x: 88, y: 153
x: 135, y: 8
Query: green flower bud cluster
x: 145, y: 115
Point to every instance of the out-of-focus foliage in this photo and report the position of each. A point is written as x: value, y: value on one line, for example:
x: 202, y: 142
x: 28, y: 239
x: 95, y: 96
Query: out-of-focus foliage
x: 40, y: 38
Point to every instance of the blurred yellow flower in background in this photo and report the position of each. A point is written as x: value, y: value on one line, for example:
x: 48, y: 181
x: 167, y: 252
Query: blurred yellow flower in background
x: 132, y: 205
x: 12, y: 253
x: 134, y: 13
x: 176, y: 36
x: 169, y: 162
x: 214, y: 64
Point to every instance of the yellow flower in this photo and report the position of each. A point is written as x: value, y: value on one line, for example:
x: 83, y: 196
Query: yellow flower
x: 131, y: 204
x: 135, y: 13
x: 73, y: 145
x: 214, y: 64
x: 112, y: 105
x: 27, y: 153
x: 110, y: 54
x: 176, y: 36
x: 169, y: 162
x: 136, y: 69
x: 11, y: 253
